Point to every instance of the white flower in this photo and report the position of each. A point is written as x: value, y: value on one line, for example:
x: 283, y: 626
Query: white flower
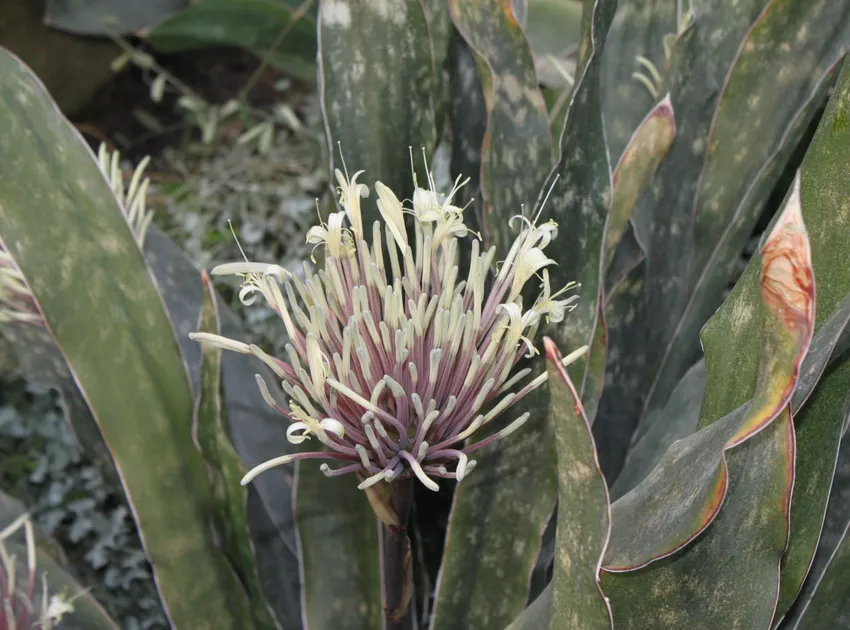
x: 392, y: 367
x: 350, y: 193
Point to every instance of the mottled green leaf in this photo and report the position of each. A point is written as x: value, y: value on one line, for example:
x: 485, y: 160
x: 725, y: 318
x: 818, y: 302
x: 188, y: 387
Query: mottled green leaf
x: 108, y: 17
x: 517, y: 150
x: 579, y: 190
x: 728, y: 577
x: 225, y: 469
x: 584, y: 515
x: 835, y: 526
x: 494, y: 518
x: 538, y: 615
x: 661, y: 428
x: 633, y: 173
x: 257, y: 432
x: 638, y: 29
x: 102, y: 307
x: 594, y: 378
x: 377, y: 82
x: 283, y: 32
x: 828, y: 607
x: 680, y: 498
x: 745, y: 79
x: 826, y: 207
x: 468, y: 119
x: 498, y: 522
x: 338, y: 537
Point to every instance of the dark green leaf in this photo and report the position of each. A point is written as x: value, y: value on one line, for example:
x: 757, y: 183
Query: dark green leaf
x: 584, y: 514
x: 280, y: 31
x: 225, y: 469
x: 61, y: 224
x: 725, y: 76
x: 377, y: 82
x: 517, y: 150
x: 498, y: 522
x: 728, y: 577
x: 661, y: 428
x: 257, y: 432
x: 538, y: 615
x: 338, y: 537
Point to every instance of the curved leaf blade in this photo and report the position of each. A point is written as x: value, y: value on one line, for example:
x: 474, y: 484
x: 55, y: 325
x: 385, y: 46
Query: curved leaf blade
x: 517, y: 145
x: 681, y: 497
x: 225, y: 469
x: 56, y: 211
x: 584, y: 515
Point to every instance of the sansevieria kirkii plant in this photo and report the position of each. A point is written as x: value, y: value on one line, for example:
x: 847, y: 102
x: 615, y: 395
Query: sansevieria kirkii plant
x: 684, y: 465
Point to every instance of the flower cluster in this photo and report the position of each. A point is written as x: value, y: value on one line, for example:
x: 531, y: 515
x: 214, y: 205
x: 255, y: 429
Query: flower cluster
x: 395, y: 359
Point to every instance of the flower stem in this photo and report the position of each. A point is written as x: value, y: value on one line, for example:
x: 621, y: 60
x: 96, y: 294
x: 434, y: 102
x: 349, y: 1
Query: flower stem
x: 398, y: 573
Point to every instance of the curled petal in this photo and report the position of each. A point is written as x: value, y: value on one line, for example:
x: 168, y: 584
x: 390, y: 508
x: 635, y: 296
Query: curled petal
x: 529, y: 263
x: 350, y: 193
x: 298, y: 438
x: 333, y: 426
x: 392, y: 213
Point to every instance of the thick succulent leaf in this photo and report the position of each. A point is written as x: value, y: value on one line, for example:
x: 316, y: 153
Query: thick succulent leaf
x: 377, y: 82
x: 680, y: 498
x: 676, y: 421
x: 584, y: 515
x: 468, y: 119
x: 338, y: 537
x: 708, y: 192
x: 57, y: 212
x: 828, y: 607
x: 638, y: 29
x: 517, y: 150
x: 729, y: 576
x: 494, y: 517
x: 497, y: 521
x: 538, y: 615
x: 579, y: 194
x: 594, y: 377
x: 826, y: 206
x: 257, y: 432
x: 108, y: 17
x: 225, y: 470
x: 833, y: 536
x: 283, y: 32
x: 633, y: 173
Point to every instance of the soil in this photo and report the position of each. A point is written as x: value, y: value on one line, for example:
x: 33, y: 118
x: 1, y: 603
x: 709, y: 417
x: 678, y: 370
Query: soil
x: 216, y: 74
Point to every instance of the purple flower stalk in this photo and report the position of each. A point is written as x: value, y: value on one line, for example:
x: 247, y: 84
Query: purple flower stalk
x: 393, y: 366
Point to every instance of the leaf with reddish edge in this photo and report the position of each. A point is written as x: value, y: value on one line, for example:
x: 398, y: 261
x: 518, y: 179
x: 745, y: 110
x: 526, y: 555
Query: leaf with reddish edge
x: 711, y: 188
x: 377, y: 85
x: 517, y: 149
x: 107, y: 317
x: 584, y: 517
x: 647, y: 147
x: 594, y: 378
x: 662, y: 428
x: 225, y: 471
x: 633, y: 173
x: 834, y: 534
x: 681, y: 497
x: 729, y: 576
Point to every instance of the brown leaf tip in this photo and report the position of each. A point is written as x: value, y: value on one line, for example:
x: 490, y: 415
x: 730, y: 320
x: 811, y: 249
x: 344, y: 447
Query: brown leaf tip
x: 205, y: 279
x: 787, y: 281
